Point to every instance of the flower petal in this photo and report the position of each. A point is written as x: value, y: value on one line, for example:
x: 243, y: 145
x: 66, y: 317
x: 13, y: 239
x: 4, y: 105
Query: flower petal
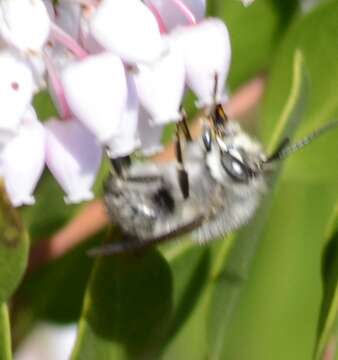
x: 73, y: 157
x: 67, y: 17
x: 96, y: 91
x: 129, y: 29
x: 207, y: 51
x: 87, y: 40
x: 150, y: 135
x: 24, y: 24
x: 171, y: 14
x: 57, y: 59
x: 161, y: 86
x: 16, y: 91
x: 50, y: 9
x: 22, y: 160
x: 127, y: 139
x: 48, y: 341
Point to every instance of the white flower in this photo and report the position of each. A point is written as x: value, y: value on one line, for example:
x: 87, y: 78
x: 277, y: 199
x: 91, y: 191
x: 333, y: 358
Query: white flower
x: 178, y: 12
x: 73, y: 157
x: 16, y: 91
x: 160, y: 87
x: 68, y: 16
x: 116, y: 70
x: 96, y: 91
x: 150, y: 135
x: 207, y: 52
x: 247, y: 2
x: 24, y: 24
x: 128, y: 29
x: 126, y: 141
x: 22, y: 160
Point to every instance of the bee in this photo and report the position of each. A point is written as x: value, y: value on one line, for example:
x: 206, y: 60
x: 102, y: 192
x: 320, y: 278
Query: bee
x: 214, y: 186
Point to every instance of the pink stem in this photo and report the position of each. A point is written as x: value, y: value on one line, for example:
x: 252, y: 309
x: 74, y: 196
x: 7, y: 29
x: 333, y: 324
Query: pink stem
x: 65, y: 112
x: 66, y: 40
x: 156, y: 13
x: 331, y: 350
x: 91, y: 219
x: 185, y: 11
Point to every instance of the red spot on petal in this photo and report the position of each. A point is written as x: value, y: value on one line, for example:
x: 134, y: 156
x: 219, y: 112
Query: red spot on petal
x: 15, y: 86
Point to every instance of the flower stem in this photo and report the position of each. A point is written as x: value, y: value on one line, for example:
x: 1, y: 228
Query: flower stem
x: 63, y: 38
x: 185, y: 11
x: 58, y: 88
x: 156, y: 13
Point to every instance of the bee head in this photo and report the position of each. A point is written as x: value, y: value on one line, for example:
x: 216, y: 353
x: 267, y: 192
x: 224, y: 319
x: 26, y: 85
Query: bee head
x: 232, y: 154
x: 233, y: 157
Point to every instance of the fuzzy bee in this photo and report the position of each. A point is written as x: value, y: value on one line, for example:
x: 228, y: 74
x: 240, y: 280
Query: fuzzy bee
x: 212, y: 188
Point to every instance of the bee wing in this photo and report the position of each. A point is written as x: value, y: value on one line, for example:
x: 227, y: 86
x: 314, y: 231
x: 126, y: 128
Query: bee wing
x: 133, y: 244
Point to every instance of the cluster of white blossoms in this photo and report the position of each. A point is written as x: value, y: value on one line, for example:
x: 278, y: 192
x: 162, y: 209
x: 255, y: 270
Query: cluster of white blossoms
x: 117, y: 71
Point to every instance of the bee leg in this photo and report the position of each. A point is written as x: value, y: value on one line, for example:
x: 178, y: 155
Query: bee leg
x: 132, y: 244
x: 144, y: 179
x: 120, y: 165
x: 217, y: 113
x: 184, y: 125
x: 182, y: 174
x: 214, y: 94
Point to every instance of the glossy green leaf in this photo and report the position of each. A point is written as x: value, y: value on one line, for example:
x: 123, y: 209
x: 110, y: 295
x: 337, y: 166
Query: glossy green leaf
x: 13, y: 247
x: 54, y: 292
x: 127, y: 308
x: 5, y: 334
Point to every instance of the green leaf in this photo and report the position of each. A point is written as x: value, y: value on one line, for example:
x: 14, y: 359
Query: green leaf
x: 328, y: 324
x: 54, y: 292
x: 13, y: 247
x: 277, y: 313
x: 44, y: 106
x: 230, y: 275
x: 49, y: 212
x: 126, y: 309
x: 5, y: 334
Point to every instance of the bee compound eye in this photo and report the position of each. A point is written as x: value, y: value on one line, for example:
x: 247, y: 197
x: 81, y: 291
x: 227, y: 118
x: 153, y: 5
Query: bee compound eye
x: 234, y: 168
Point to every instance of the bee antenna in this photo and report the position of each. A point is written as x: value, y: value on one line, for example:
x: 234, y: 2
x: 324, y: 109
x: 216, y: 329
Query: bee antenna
x: 284, y: 149
x: 276, y: 155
